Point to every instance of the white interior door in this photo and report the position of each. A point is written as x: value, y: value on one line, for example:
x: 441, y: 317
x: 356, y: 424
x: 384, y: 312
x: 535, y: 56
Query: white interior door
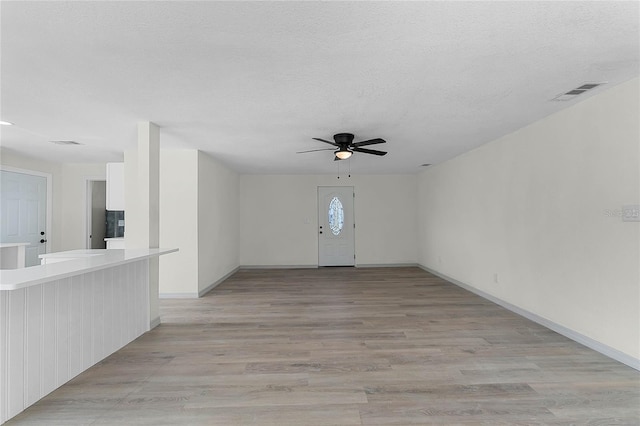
x: 23, y: 212
x: 336, y: 236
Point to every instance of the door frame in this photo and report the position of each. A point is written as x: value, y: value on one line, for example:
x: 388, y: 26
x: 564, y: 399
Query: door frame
x: 88, y: 218
x: 353, y: 190
x: 49, y: 209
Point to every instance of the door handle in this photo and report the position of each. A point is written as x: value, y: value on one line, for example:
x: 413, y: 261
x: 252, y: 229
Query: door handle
x: 43, y: 241
x: 321, y: 232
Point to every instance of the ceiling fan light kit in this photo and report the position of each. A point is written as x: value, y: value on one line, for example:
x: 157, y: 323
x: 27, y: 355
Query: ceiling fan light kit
x: 346, y: 146
x: 343, y: 155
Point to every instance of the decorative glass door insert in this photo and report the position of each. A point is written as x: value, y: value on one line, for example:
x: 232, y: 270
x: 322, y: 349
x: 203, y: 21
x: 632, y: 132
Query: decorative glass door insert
x: 336, y: 216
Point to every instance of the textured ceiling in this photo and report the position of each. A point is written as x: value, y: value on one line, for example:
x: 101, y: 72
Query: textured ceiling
x: 252, y: 83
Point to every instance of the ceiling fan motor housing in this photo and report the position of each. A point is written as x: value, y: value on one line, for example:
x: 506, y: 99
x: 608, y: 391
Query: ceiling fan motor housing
x: 343, y: 139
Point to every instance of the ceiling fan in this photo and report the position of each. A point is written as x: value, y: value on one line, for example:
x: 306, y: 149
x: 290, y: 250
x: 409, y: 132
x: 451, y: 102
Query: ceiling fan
x: 346, y: 147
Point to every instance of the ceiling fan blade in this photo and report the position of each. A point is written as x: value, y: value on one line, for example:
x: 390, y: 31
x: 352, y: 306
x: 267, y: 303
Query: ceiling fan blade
x: 369, y: 142
x: 369, y: 151
x: 314, y: 150
x: 322, y: 140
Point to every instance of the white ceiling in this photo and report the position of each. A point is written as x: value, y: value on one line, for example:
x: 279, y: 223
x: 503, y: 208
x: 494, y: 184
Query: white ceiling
x: 252, y: 83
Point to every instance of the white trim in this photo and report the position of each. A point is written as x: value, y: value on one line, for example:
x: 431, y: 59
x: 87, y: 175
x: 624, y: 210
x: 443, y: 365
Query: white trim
x: 49, y: 214
x: 154, y: 323
x: 358, y: 265
x: 387, y: 265
x: 201, y: 292
x: 278, y: 267
x: 217, y: 282
x: 560, y: 329
x: 178, y: 296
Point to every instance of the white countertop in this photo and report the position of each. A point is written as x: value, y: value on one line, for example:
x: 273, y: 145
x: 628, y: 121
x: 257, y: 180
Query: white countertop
x: 82, y: 261
x: 73, y: 254
x: 4, y: 245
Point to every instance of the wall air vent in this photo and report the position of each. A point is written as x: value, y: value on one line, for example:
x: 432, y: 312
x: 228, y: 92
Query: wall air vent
x: 571, y: 94
x: 66, y: 142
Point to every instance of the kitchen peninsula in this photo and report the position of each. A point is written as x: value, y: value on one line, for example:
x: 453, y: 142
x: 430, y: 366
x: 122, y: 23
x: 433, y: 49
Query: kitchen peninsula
x: 58, y: 319
x: 12, y: 255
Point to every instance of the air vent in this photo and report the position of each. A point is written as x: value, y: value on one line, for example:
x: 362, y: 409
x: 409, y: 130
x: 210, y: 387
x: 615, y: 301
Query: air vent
x: 571, y: 94
x: 66, y: 142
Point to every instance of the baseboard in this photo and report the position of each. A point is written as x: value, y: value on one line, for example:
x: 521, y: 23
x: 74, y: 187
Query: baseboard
x: 278, y: 266
x: 154, y: 323
x: 178, y: 295
x: 387, y: 265
x: 217, y: 282
x: 193, y: 295
x: 560, y: 329
x: 357, y: 265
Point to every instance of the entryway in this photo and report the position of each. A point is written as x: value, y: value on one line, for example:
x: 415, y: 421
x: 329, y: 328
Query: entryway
x: 336, y: 234
x: 96, y: 213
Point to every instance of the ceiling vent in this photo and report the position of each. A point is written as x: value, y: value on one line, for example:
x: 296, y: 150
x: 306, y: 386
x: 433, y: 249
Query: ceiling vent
x: 66, y: 142
x: 571, y: 94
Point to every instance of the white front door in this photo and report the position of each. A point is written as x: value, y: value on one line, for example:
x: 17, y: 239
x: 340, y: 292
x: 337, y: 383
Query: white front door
x: 23, y: 212
x: 336, y: 236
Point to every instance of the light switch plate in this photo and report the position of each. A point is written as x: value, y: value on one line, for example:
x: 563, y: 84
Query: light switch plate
x: 631, y: 213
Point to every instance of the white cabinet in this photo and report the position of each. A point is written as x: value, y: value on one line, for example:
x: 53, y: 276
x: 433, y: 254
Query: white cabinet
x: 115, y: 243
x: 115, y: 186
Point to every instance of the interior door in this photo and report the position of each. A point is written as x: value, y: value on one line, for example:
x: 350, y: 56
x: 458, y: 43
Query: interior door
x: 23, y: 212
x: 336, y: 236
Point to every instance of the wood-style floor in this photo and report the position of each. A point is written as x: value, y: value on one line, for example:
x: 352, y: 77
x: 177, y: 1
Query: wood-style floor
x: 345, y: 346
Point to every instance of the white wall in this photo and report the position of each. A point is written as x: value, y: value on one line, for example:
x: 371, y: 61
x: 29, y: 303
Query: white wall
x: 131, y: 194
x: 179, y: 222
x: 534, y: 207
x: 199, y: 215
x: 73, y: 201
x: 279, y: 219
x: 218, y: 222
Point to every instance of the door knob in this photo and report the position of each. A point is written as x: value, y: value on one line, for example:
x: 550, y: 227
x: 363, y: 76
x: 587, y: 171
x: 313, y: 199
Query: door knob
x: 43, y: 241
x: 321, y: 232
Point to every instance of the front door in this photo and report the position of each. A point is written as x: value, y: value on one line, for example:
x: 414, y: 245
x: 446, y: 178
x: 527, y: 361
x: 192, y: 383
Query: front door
x: 336, y: 242
x: 23, y: 212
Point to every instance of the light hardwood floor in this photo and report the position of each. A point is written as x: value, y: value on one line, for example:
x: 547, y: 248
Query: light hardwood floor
x: 345, y: 346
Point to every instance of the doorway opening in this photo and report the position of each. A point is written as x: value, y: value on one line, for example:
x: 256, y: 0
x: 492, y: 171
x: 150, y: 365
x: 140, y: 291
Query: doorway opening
x: 96, y: 214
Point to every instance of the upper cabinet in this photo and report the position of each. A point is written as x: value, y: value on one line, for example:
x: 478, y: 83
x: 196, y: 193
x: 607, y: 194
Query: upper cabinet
x: 115, y: 186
